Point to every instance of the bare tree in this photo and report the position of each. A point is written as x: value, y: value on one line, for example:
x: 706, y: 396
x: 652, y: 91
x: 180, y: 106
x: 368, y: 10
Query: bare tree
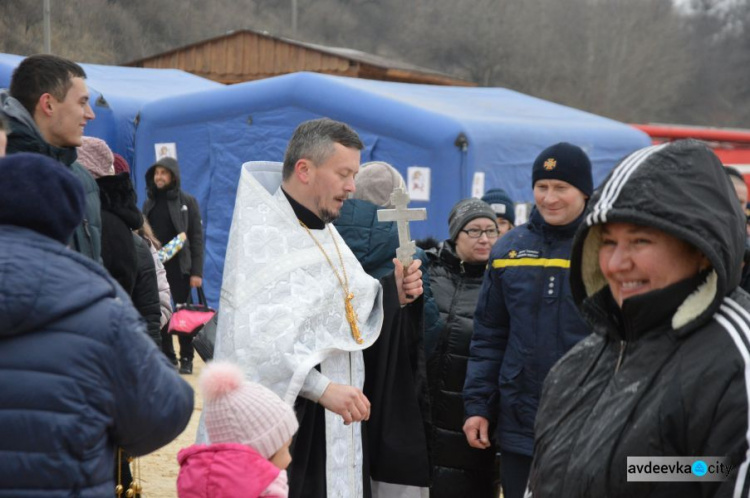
x: 634, y: 60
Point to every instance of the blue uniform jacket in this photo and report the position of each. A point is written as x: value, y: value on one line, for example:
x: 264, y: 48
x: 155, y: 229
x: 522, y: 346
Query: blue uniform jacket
x: 524, y: 322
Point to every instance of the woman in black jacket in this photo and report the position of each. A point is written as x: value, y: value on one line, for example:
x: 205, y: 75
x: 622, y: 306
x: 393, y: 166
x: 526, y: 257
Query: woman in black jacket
x: 120, y: 216
x: 455, y: 270
x: 126, y: 256
x: 655, y: 268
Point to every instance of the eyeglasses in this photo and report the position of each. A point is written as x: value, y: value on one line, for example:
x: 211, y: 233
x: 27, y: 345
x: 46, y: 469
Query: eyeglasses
x: 475, y: 233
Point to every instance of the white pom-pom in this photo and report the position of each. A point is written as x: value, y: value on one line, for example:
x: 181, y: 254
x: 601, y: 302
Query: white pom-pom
x: 219, y: 379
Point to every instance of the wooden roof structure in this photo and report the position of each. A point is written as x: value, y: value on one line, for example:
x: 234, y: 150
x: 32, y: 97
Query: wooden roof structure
x: 247, y: 55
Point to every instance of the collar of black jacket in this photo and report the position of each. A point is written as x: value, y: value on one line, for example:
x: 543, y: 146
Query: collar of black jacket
x: 305, y: 215
x: 169, y: 193
x: 447, y: 254
x: 559, y: 232
x: 21, y: 139
x: 639, y: 315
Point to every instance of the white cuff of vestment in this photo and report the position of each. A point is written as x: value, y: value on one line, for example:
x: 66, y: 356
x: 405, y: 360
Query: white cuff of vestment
x: 315, y: 385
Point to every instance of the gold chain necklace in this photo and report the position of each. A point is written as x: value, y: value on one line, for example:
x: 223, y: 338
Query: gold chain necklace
x: 351, y: 315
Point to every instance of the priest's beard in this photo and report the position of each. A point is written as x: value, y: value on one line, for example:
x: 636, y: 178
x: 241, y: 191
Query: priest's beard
x: 328, y: 216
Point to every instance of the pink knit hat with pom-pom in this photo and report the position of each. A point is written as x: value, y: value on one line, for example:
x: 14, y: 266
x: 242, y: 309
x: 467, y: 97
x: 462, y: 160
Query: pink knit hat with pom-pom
x: 96, y: 156
x: 239, y: 411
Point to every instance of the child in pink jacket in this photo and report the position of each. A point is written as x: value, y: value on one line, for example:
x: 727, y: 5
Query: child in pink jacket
x: 250, y: 429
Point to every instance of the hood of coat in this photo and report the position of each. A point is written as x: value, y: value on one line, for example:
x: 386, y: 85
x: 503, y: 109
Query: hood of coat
x: 374, y: 243
x: 207, y: 467
x: 118, y: 197
x: 679, y: 188
x: 45, y: 281
x: 25, y: 136
x: 168, y: 163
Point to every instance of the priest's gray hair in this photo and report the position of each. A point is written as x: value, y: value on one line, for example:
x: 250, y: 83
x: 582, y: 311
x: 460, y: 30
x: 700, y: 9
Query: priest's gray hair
x: 314, y: 140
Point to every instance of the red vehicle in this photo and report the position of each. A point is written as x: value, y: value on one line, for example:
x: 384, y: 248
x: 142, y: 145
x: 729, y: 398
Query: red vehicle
x: 732, y: 145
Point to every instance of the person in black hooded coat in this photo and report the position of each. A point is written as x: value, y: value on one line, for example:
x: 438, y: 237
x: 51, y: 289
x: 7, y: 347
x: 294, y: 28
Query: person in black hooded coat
x: 171, y: 211
x: 126, y: 256
x: 120, y: 216
x: 655, y: 269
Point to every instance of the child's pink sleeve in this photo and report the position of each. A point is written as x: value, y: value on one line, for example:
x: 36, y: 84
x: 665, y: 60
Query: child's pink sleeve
x: 278, y: 488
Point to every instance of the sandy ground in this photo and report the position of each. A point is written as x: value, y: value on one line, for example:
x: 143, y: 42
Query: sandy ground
x: 159, y: 469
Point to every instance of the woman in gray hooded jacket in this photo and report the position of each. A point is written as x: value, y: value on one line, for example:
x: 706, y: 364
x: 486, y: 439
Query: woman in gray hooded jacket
x: 655, y: 271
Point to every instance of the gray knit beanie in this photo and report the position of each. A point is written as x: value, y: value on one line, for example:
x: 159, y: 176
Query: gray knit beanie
x: 465, y: 211
x: 375, y: 183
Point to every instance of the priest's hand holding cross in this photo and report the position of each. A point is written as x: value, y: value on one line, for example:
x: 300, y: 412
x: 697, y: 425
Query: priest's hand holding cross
x: 409, y: 284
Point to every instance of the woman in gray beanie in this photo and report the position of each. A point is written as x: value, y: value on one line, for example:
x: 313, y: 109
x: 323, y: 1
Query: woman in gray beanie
x: 455, y: 271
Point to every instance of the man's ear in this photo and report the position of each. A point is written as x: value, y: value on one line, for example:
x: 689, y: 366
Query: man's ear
x: 303, y: 170
x: 46, y: 104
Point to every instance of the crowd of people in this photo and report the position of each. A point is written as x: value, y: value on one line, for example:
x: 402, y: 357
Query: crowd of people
x: 532, y: 360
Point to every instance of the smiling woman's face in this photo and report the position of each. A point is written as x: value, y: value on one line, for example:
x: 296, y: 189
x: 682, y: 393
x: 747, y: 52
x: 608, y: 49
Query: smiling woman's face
x: 636, y: 259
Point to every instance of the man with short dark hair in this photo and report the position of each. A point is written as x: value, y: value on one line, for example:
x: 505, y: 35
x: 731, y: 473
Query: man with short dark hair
x: 171, y: 211
x: 48, y: 107
x: 303, y: 318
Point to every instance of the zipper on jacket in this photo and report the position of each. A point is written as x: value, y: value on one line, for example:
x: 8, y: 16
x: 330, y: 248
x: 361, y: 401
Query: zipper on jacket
x: 86, y: 228
x: 623, y: 344
x: 461, y: 265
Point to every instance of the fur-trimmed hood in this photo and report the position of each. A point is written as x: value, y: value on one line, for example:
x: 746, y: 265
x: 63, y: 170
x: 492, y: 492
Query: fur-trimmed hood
x: 680, y: 188
x: 118, y: 197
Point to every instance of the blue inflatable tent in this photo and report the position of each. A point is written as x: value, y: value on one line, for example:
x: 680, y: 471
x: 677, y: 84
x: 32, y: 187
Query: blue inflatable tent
x: 118, y: 94
x: 458, y: 133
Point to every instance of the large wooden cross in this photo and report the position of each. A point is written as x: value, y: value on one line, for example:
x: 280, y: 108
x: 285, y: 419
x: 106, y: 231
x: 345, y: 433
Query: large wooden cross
x: 402, y: 216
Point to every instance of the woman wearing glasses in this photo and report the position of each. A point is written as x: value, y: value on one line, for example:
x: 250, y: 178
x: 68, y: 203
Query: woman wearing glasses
x: 455, y: 271
x: 525, y: 318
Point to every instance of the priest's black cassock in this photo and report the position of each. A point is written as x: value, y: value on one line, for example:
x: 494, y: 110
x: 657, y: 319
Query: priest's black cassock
x: 394, y: 442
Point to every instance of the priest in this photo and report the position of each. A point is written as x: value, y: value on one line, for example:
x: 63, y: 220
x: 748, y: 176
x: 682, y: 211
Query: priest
x: 303, y: 318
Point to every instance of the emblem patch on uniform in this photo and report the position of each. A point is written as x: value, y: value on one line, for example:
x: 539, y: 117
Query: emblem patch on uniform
x: 550, y: 164
x: 512, y: 254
